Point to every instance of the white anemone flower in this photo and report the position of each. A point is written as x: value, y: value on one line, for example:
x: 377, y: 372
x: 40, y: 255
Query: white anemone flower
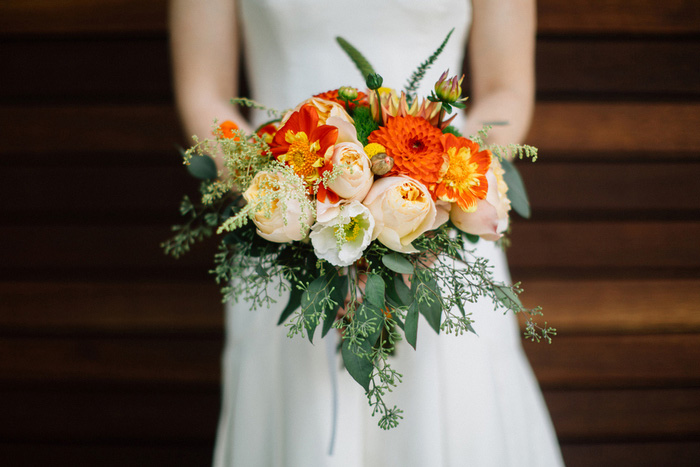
x: 343, y: 238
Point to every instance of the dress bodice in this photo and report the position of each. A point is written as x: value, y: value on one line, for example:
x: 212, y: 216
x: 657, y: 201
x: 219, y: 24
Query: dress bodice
x: 291, y: 52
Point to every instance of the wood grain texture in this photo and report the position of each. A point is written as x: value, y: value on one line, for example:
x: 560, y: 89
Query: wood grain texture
x: 618, y: 16
x: 110, y: 307
x: 133, y: 359
x: 615, y: 415
x: 600, y: 307
x: 82, y: 16
x: 575, y: 362
x: 639, y: 454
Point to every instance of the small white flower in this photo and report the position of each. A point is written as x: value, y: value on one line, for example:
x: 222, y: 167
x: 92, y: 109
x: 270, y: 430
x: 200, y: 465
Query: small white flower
x: 342, y: 239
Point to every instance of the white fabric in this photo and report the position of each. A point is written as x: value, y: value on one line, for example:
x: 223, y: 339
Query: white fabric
x: 468, y: 400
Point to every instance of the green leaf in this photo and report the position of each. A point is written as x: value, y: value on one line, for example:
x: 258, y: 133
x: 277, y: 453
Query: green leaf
x: 293, y: 303
x: 411, y: 325
x: 312, y: 304
x: 260, y: 271
x: 516, y: 189
x: 427, y: 295
x: 202, y: 167
x: 414, y: 82
x: 340, y: 290
x: 358, y: 59
x: 397, y: 263
x: 404, y: 293
x: 471, y: 237
x: 509, y: 298
x: 374, y: 291
x: 359, y: 367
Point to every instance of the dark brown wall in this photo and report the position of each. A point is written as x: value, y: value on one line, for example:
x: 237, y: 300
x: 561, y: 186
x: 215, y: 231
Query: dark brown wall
x: 109, y: 351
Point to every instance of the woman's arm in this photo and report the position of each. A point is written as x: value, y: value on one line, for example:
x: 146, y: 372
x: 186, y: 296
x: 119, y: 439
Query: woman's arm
x: 205, y: 45
x: 502, y: 63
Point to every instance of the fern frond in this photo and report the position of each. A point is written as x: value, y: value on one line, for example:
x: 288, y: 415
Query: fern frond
x: 358, y: 59
x: 417, y: 76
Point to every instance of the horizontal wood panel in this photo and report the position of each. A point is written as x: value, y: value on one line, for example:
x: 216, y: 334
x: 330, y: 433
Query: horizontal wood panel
x: 611, y: 127
x: 641, y: 454
x: 617, y: 16
x: 602, y: 245
x: 82, y: 16
x: 113, y: 69
x: 112, y: 130
x: 103, y: 307
x: 554, y: 16
x: 609, y: 415
x: 109, y: 359
x: 99, y: 190
x: 548, y: 246
x: 581, y: 307
x: 612, y: 187
x: 138, y: 414
x: 594, y: 129
x: 607, y: 67
x: 569, y: 362
x: 617, y: 361
x: 552, y: 186
x: 616, y: 307
x: 101, y: 69
x: 109, y: 454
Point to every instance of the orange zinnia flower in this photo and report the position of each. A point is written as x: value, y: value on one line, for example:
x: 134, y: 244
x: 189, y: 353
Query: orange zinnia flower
x: 465, y: 181
x: 302, y: 143
x: 416, y: 147
x: 333, y: 97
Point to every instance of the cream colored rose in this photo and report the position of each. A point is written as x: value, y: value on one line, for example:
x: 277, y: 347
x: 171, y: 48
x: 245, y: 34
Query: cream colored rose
x: 490, y: 219
x: 356, y: 177
x: 287, y: 221
x: 402, y: 209
x: 325, y: 109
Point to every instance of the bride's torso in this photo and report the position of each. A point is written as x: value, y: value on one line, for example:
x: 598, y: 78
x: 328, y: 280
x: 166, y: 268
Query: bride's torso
x: 291, y: 52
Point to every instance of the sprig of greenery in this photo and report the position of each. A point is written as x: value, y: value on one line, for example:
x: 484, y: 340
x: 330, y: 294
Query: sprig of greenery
x: 418, y: 75
x: 357, y: 58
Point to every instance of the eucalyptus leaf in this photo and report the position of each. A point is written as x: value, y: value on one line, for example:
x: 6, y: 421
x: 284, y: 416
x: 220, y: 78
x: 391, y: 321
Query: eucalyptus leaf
x: 312, y: 304
x: 427, y: 295
x: 374, y: 291
x: 516, y: 189
x: 411, y: 325
x: 293, y: 303
x: 403, y: 291
x: 509, y: 298
x: 359, y: 366
x: 202, y: 167
x: 339, y: 284
x: 397, y: 263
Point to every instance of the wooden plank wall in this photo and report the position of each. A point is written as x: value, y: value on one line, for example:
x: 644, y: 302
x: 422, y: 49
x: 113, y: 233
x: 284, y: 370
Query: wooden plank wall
x: 109, y: 350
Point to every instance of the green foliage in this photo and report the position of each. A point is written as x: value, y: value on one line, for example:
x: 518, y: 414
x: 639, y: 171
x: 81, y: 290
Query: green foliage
x: 516, y: 189
x: 418, y: 75
x: 357, y: 58
x: 398, y: 263
x: 364, y: 123
x: 452, y: 130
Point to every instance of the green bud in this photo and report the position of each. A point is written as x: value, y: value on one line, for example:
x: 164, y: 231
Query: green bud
x: 374, y: 81
x: 347, y: 93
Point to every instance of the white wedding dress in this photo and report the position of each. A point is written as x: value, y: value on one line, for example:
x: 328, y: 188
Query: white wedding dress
x: 468, y: 400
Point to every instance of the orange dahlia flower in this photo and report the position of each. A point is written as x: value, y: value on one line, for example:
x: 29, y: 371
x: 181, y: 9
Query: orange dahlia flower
x: 416, y: 147
x: 465, y: 181
x: 302, y: 143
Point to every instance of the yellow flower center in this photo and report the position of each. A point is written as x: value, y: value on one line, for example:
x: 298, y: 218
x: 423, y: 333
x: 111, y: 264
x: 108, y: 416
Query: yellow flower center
x: 303, y: 155
x: 411, y: 193
x: 461, y: 171
x: 351, y: 230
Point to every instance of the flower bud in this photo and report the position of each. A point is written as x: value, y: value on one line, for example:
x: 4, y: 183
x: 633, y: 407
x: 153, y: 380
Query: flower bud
x: 448, y: 90
x: 381, y: 163
x: 374, y: 81
x: 347, y: 93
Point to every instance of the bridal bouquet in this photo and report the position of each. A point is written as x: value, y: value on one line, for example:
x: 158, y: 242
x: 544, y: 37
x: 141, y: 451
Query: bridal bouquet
x: 362, y: 204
